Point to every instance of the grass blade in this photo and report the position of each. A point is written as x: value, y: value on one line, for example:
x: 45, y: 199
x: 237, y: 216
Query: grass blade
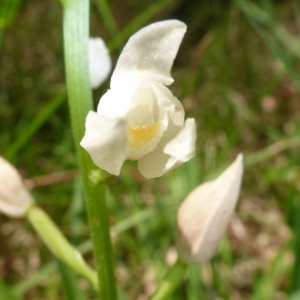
x: 107, y: 17
x: 8, y: 11
x: 40, y: 119
x: 261, y: 22
x: 137, y: 23
x: 70, y: 283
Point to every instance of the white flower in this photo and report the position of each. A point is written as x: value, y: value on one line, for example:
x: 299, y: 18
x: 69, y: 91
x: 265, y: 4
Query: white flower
x: 99, y: 62
x: 14, y: 197
x: 139, y: 118
x: 203, y: 216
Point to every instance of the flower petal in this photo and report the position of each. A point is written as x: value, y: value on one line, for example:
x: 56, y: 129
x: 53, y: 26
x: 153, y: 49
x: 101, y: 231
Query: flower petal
x: 105, y: 140
x: 115, y: 103
x: 182, y: 147
x: 204, y: 215
x: 167, y: 102
x: 149, y: 53
x: 99, y: 62
x: 175, y: 148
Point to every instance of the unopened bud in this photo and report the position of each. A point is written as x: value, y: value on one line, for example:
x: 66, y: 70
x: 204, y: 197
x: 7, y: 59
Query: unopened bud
x: 204, y: 215
x: 14, y: 197
x: 99, y: 62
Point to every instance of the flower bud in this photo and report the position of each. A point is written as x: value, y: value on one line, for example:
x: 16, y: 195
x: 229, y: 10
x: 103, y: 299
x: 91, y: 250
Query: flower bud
x: 99, y: 62
x: 204, y: 215
x: 14, y: 197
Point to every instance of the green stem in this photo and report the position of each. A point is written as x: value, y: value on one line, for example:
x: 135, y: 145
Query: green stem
x: 272, y: 150
x: 76, y: 25
x: 170, y: 281
x: 195, y: 288
x: 58, y: 244
x: 49, y: 269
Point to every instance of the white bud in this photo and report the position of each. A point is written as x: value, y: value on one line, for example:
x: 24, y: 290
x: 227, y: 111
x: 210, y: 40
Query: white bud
x: 204, y: 215
x: 99, y: 62
x: 14, y: 197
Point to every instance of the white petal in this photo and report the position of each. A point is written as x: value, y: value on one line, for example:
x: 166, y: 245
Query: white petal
x: 115, y: 103
x: 14, y: 197
x: 141, y: 110
x: 204, y: 215
x: 176, y: 147
x: 99, y: 62
x: 149, y: 53
x: 146, y: 123
x: 105, y: 140
x: 167, y: 102
x: 182, y: 148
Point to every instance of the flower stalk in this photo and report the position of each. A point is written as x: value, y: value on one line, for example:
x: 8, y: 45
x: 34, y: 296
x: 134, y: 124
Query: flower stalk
x: 76, y: 25
x: 58, y: 244
x: 170, y: 281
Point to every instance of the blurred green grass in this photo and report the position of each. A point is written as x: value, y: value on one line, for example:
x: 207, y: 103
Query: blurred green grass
x: 233, y: 74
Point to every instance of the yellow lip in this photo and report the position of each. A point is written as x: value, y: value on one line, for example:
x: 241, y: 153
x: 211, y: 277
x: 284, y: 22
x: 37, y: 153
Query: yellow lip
x: 140, y: 137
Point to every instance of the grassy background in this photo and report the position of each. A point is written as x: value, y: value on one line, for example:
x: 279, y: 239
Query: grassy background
x: 236, y: 73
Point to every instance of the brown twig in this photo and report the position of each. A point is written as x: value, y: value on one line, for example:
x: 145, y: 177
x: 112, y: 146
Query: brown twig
x: 50, y: 179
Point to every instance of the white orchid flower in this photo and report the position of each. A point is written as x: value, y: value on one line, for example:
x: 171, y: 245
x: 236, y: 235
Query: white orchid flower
x: 139, y: 118
x: 204, y: 215
x: 99, y: 62
x: 15, y: 200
